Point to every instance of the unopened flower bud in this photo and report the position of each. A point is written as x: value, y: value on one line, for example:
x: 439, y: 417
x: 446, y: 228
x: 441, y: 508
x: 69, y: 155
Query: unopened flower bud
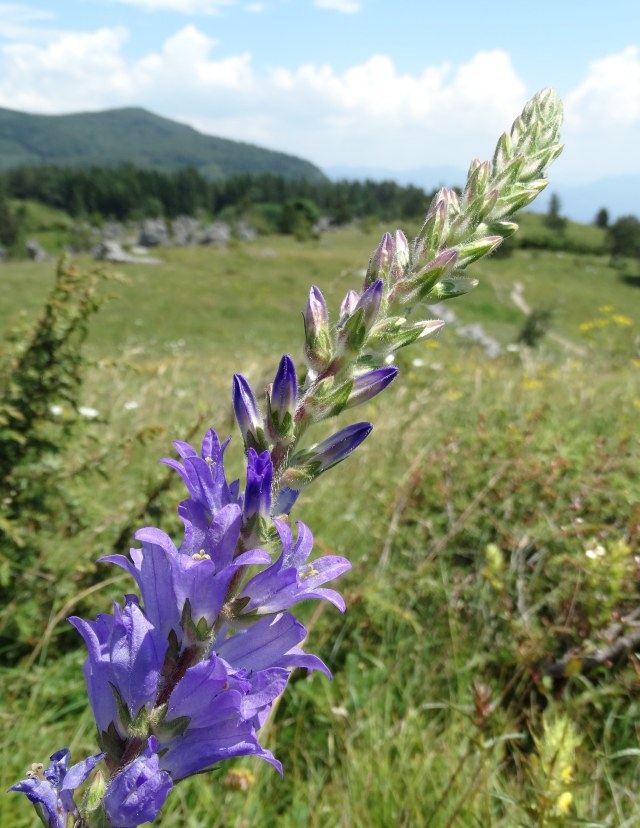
x: 318, y: 349
x: 308, y: 464
x: 474, y: 250
x: 380, y: 262
x: 341, y: 444
x: 436, y: 224
x: 247, y: 413
x: 366, y: 387
x: 284, y: 391
x: 348, y: 306
x: 450, y: 288
x: 257, y: 497
x: 370, y: 302
x: 355, y: 329
x: 438, y: 268
x: 401, y: 256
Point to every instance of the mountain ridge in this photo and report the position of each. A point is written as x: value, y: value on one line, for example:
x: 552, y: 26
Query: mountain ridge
x: 137, y: 136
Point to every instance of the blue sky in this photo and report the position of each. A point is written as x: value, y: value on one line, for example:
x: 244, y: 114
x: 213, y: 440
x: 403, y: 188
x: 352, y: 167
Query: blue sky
x: 341, y: 82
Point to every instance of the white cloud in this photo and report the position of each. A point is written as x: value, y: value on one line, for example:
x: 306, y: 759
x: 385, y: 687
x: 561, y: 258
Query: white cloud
x: 17, y: 20
x: 344, y: 6
x: 72, y: 71
x: 610, y: 92
x: 602, y: 124
x: 371, y: 111
x: 370, y: 114
x: 18, y: 12
x: 206, y: 7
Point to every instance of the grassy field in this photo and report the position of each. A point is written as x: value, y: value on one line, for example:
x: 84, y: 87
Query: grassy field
x: 468, y: 516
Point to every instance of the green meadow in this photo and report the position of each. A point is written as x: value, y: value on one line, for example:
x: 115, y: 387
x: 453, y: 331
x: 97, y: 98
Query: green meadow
x: 492, y: 518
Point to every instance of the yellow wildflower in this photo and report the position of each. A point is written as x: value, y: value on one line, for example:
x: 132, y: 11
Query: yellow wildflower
x: 564, y: 802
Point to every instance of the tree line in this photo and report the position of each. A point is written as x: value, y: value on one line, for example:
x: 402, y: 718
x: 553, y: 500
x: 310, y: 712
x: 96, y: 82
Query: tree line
x: 130, y: 192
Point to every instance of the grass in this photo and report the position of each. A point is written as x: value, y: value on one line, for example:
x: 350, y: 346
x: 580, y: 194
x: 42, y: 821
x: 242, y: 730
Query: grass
x: 437, y: 697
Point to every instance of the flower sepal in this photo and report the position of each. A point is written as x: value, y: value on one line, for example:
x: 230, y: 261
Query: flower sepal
x: 113, y: 745
x: 329, y: 398
x: 476, y: 249
x: 195, y: 633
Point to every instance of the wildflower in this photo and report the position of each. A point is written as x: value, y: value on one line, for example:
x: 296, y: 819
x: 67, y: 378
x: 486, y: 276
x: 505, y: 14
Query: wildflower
x: 200, y: 710
x: 380, y: 261
x: 564, y: 802
x: 308, y: 464
x: 369, y: 385
x: 595, y: 552
x: 192, y: 580
x: 184, y: 676
x: 137, y: 794
x: 290, y: 579
x: 257, y: 496
x: 282, y: 399
x: 122, y: 670
x: 318, y: 347
x: 247, y: 412
x: 354, y: 330
x: 51, y: 789
x: 204, y: 476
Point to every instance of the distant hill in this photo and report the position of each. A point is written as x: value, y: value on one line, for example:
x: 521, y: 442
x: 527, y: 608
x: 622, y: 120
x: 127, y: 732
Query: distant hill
x: 138, y: 137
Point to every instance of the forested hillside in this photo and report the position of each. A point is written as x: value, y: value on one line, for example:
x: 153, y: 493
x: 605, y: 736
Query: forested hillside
x: 138, y: 137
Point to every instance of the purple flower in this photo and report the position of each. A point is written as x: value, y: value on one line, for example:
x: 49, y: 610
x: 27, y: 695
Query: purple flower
x: 367, y: 386
x: 257, y: 497
x: 284, y: 391
x: 187, y: 680
x: 369, y: 303
x: 339, y: 445
x: 354, y: 328
x: 204, y: 475
x: 318, y: 347
x: 306, y: 465
x: 286, y: 500
x: 224, y: 707
x: 168, y: 578
x: 291, y: 579
x: 51, y: 790
x: 247, y: 413
x: 138, y: 792
x: 125, y: 658
x: 270, y: 642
